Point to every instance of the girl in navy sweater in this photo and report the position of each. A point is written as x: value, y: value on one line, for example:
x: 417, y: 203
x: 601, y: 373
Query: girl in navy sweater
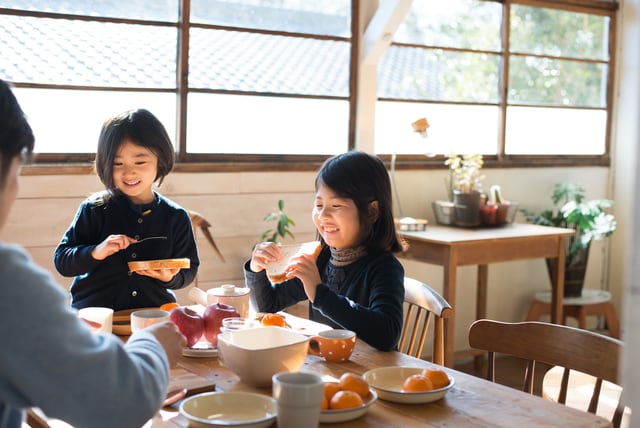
x: 356, y: 282
x: 134, y: 152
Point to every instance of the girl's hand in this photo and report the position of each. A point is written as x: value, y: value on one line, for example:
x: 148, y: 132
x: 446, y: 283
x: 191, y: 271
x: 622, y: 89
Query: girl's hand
x: 264, y: 253
x: 304, y: 268
x: 111, y: 245
x: 164, y: 275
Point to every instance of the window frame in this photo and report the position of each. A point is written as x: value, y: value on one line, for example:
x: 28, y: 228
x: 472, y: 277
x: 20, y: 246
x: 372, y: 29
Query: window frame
x: 81, y: 163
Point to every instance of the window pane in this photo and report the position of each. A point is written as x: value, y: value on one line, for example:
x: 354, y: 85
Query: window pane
x: 437, y: 75
x: 69, y: 121
x: 540, y: 131
x: 232, y: 60
x: 554, y: 32
x: 557, y: 82
x: 452, y: 23
x: 457, y: 128
x: 269, y: 125
x: 165, y: 10
x: 67, y: 52
x: 326, y: 17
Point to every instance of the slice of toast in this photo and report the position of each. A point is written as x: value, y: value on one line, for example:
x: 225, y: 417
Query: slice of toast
x: 276, y: 270
x: 184, y: 263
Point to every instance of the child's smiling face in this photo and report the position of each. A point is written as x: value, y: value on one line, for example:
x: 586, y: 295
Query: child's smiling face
x: 336, y: 219
x: 134, y: 172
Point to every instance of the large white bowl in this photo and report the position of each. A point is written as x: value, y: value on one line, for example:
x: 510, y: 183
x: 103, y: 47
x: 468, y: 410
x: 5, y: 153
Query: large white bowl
x: 387, y: 382
x: 256, y: 354
x: 230, y: 409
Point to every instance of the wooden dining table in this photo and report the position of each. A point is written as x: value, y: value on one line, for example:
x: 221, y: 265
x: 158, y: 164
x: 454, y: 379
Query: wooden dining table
x: 471, y: 402
x: 451, y: 247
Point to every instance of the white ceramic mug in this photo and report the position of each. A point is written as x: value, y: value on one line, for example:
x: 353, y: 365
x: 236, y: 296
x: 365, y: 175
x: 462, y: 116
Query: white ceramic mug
x: 299, y: 396
x: 146, y: 317
x: 100, y: 319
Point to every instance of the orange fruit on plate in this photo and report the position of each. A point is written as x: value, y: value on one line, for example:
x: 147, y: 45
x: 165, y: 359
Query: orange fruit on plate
x: 168, y: 306
x: 273, y: 319
x: 353, y: 382
x: 325, y: 404
x: 438, y: 377
x: 417, y: 383
x: 330, y: 388
x: 345, y: 400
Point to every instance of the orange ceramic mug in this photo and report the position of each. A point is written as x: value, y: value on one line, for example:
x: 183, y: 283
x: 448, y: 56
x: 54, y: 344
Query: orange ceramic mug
x: 333, y: 345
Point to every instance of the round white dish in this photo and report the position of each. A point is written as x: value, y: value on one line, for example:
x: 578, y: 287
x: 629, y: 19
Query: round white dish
x: 343, y: 415
x: 230, y: 409
x: 202, y: 349
x: 387, y: 382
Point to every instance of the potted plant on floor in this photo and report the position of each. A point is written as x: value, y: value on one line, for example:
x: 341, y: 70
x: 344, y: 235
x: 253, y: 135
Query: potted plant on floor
x: 588, y: 219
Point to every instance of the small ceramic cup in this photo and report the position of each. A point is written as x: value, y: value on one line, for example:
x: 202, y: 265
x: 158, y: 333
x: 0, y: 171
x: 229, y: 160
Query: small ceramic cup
x: 100, y: 319
x: 299, y: 397
x: 333, y: 345
x: 146, y: 317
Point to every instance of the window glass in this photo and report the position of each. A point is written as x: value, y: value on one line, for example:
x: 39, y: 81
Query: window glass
x: 160, y: 10
x: 545, y: 131
x: 452, y: 23
x: 69, y: 121
x: 267, y: 125
x: 85, y: 53
x: 252, y: 62
x: 457, y: 128
x: 438, y: 75
x: 555, y: 32
x: 549, y: 81
x: 326, y: 17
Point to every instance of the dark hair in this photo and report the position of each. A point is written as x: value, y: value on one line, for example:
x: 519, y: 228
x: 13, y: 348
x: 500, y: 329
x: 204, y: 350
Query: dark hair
x: 363, y: 178
x: 140, y: 127
x: 16, y: 136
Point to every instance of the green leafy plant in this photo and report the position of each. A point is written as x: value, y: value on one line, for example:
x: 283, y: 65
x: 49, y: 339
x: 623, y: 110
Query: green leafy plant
x: 587, y: 218
x: 283, y: 224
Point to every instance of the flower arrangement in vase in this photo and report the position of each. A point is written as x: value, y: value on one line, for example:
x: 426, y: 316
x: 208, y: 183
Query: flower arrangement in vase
x: 465, y: 185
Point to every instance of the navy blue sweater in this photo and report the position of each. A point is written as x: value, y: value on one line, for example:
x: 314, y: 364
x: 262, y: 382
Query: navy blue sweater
x: 108, y: 282
x: 368, y: 300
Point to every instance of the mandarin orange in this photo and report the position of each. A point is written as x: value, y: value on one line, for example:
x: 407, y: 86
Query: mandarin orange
x: 345, y: 400
x: 273, y: 319
x: 325, y: 404
x: 168, y: 306
x: 353, y: 382
x: 330, y: 388
x: 417, y: 383
x: 438, y: 377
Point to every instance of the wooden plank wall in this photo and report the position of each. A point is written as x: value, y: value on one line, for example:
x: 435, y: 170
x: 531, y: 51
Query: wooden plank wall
x: 234, y: 203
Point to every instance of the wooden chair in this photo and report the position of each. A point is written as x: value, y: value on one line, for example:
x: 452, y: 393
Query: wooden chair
x: 556, y: 345
x: 424, y: 304
x: 35, y: 419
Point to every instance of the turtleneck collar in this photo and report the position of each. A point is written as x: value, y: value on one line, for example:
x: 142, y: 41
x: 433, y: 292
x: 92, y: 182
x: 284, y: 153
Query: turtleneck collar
x: 346, y: 256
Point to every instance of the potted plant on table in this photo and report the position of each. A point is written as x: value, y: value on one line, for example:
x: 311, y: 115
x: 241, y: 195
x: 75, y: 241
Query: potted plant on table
x: 465, y: 187
x: 283, y: 225
x: 588, y: 219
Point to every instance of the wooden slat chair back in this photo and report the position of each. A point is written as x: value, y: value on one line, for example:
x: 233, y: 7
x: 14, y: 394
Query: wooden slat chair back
x: 553, y: 344
x: 423, y: 306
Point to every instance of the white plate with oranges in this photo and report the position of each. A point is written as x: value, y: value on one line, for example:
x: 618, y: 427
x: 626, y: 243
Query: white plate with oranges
x: 346, y: 399
x: 407, y: 384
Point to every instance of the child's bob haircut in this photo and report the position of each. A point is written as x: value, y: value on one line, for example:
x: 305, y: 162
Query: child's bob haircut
x: 140, y: 127
x: 363, y: 178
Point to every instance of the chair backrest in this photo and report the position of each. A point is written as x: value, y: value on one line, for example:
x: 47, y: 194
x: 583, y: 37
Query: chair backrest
x: 35, y: 419
x: 553, y: 344
x: 424, y: 304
